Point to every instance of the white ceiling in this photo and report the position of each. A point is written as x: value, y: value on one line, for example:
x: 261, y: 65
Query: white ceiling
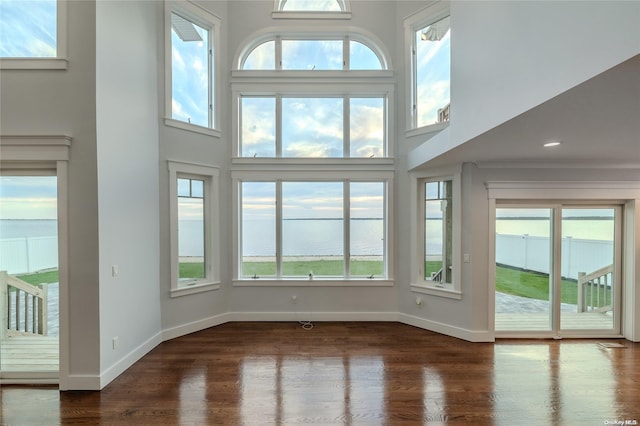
x: 597, y: 121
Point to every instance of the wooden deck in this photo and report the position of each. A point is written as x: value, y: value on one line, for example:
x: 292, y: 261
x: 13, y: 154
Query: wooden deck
x: 30, y: 354
x: 541, y: 321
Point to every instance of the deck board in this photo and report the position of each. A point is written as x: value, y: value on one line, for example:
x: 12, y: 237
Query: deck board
x: 541, y: 321
x: 29, y: 354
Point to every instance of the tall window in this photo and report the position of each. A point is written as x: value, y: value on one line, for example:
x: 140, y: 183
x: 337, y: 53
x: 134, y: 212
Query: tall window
x: 429, y: 36
x: 313, y: 229
x: 194, y: 230
x: 32, y: 34
x: 437, y: 240
x: 313, y: 160
x: 192, y: 35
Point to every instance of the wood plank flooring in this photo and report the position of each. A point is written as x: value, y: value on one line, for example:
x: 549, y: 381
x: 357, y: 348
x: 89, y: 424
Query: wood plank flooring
x: 350, y: 373
x: 29, y: 353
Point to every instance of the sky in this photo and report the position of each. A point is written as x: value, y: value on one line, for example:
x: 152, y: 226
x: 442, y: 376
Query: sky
x: 27, y: 28
x: 28, y: 197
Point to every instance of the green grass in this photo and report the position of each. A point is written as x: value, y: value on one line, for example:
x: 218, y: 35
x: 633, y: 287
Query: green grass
x: 38, y: 278
x: 301, y: 268
x: 536, y: 285
x: 192, y: 270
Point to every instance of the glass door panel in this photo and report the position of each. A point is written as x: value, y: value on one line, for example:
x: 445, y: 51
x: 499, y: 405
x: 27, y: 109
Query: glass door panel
x: 28, y: 274
x: 588, y: 268
x: 524, y: 284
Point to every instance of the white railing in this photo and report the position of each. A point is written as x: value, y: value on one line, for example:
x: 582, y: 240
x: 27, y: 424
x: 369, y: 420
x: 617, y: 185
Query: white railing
x: 26, y: 307
x: 594, y: 290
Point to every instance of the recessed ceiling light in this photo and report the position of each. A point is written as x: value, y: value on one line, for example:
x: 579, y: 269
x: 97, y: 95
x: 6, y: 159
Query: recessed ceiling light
x: 550, y: 144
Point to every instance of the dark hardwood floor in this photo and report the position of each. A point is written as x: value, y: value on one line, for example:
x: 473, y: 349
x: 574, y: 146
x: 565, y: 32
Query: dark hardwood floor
x: 350, y: 373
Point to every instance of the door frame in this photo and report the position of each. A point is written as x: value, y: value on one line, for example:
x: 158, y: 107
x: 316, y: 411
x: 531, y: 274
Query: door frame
x: 29, y: 154
x: 624, y: 193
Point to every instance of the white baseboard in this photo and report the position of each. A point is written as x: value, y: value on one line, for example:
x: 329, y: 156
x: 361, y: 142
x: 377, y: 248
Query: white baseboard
x: 449, y: 330
x: 192, y: 327
x: 313, y: 316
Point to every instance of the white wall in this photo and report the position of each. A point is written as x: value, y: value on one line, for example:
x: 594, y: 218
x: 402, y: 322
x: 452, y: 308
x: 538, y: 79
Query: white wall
x: 195, y: 311
x: 127, y: 151
x: 508, y: 57
x: 63, y: 103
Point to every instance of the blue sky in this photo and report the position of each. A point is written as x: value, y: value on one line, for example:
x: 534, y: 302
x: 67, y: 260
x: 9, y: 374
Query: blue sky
x: 27, y: 28
x: 28, y: 197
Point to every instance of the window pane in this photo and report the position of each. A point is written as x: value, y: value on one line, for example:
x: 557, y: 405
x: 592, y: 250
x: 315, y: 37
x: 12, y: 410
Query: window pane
x: 587, y: 268
x: 438, y: 231
x: 367, y: 127
x: 190, y: 76
x: 312, y: 55
x: 312, y: 229
x: 433, y: 69
x: 312, y: 127
x: 361, y: 57
x: 191, y: 235
x: 263, y: 57
x: 258, y: 137
x: 311, y: 5
x: 367, y: 229
x: 258, y: 229
x: 28, y: 29
x: 184, y: 187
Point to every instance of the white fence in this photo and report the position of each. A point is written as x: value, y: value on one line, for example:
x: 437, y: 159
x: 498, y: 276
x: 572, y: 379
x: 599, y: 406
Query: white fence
x: 28, y: 254
x: 533, y: 254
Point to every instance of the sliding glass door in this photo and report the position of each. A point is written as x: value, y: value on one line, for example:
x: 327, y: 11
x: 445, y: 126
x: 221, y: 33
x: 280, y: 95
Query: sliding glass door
x: 557, y: 269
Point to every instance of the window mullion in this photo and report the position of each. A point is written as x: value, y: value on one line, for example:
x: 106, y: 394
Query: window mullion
x: 279, y: 229
x: 346, y: 207
x: 346, y: 54
x: 278, y: 52
x: 346, y: 127
x: 210, y: 77
x: 278, y: 126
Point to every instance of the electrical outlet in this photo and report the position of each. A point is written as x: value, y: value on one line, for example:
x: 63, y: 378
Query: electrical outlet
x: 115, y: 342
x: 294, y: 298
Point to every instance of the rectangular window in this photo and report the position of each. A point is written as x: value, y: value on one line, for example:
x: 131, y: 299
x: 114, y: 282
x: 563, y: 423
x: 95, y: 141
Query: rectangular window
x: 33, y: 34
x: 313, y: 230
x: 428, y: 44
x: 191, y: 231
x: 437, y: 240
x: 438, y: 235
x: 194, y: 228
x: 313, y: 127
x: 192, y: 35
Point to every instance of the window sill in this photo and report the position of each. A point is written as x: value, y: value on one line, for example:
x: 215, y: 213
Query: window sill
x: 425, y: 130
x: 265, y: 282
x: 446, y: 292
x: 279, y: 161
x: 195, y: 288
x: 33, y: 64
x: 192, y: 127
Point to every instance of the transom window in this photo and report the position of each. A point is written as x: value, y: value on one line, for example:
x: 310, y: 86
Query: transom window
x: 313, y: 54
x: 311, y: 5
x: 310, y: 229
x: 306, y: 127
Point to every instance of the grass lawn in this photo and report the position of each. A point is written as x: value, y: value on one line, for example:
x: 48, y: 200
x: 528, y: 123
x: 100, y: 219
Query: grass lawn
x: 536, y: 285
x: 508, y: 280
x: 301, y: 268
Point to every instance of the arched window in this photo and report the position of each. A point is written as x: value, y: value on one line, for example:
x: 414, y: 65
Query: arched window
x: 313, y: 53
x: 311, y: 9
x: 312, y: 122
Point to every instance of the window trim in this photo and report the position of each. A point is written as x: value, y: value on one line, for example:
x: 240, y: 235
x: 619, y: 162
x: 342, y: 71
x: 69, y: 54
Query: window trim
x: 344, y: 13
x: 419, y: 284
x: 59, y: 62
x: 210, y: 175
x: 208, y: 20
x: 431, y: 13
x: 385, y: 177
